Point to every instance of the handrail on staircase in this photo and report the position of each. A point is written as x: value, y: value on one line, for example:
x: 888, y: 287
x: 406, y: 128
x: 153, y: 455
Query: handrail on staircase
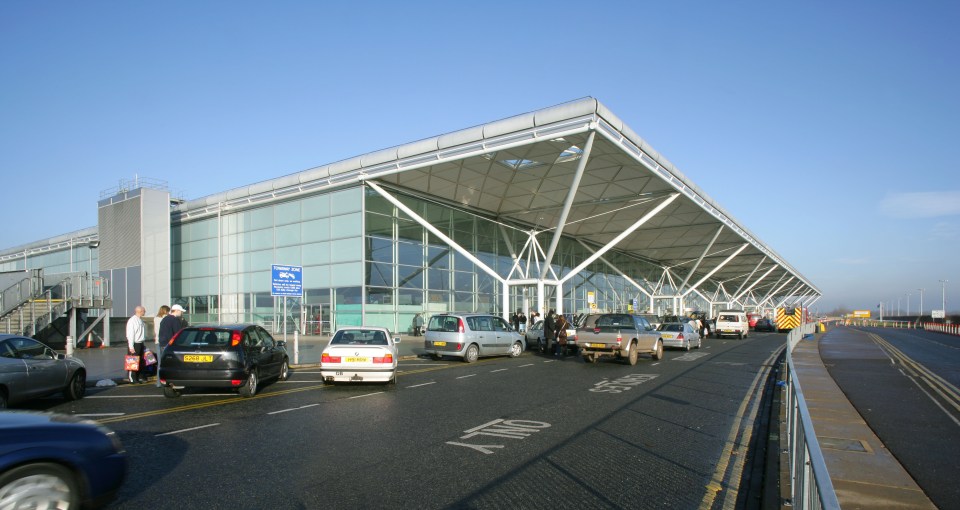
x: 27, y: 288
x: 88, y: 290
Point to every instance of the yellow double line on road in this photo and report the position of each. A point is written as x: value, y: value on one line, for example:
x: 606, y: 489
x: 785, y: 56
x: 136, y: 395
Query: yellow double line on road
x: 948, y: 392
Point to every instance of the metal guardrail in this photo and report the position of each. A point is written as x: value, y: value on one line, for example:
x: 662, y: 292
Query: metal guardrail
x: 811, y: 486
x: 13, y: 296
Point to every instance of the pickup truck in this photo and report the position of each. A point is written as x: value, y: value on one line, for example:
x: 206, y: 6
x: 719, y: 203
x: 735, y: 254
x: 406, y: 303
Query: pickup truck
x: 621, y: 335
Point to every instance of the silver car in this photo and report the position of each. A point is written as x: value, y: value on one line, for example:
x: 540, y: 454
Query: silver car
x: 30, y: 369
x: 471, y: 335
x: 679, y: 334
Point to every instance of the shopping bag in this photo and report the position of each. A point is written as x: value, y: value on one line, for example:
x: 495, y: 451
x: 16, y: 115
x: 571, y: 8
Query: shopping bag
x: 149, y: 358
x: 131, y: 363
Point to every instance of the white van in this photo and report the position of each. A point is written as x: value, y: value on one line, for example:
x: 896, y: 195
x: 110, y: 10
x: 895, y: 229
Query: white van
x: 732, y: 323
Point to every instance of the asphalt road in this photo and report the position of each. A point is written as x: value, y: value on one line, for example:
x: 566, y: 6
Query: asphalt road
x: 904, y: 384
x: 533, y: 432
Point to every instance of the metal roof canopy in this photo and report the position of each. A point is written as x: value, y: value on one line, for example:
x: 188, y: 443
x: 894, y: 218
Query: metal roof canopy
x: 520, y: 171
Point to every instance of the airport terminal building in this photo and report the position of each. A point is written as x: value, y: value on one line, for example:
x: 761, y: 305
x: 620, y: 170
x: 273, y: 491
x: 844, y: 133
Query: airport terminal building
x: 564, y: 208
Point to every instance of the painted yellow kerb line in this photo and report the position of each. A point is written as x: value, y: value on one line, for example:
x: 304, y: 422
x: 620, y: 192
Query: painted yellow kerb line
x: 230, y: 400
x: 948, y: 392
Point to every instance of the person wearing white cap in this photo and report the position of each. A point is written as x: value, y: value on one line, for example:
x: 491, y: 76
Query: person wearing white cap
x: 169, y: 326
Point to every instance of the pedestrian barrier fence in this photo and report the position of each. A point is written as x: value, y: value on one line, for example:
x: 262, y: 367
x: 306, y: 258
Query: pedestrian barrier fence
x: 810, y: 484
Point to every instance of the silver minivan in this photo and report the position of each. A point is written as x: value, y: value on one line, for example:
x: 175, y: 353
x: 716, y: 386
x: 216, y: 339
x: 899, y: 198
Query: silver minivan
x: 471, y: 335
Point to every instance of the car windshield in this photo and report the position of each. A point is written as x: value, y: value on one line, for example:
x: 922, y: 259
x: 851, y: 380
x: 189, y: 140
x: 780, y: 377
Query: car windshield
x: 359, y: 337
x: 670, y: 327
x: 192, y: 336
x: 728, y: 318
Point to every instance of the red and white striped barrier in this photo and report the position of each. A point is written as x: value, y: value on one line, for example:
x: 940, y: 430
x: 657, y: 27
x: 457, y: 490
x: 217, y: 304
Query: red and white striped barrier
x: 950, y: 329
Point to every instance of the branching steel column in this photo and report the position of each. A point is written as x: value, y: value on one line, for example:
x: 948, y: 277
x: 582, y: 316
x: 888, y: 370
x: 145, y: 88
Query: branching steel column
x: 700, y: 260
x: 568, y: 203
x: 618, y: 271
x: 433, y: 230
x: 754, y: 283
x: 719, y: 267
x: 747, y: 279
x: 607, y: 247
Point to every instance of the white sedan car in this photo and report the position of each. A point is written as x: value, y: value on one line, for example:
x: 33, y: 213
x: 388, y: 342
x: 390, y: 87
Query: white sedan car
x: 679, y: 334
x: 360, y: 354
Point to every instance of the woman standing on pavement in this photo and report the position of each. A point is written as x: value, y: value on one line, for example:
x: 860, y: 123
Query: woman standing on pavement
x: 156, y: 327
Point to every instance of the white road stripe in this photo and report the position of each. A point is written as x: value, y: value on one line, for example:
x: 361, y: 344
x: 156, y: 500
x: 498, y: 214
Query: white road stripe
x: 293, y: 409
x: 424, y: 384
x: 527, y: 365
x: 367, y: 395
x: 100, y: 414
x: 187, y: 430
x: 498, y: 370
x: 465, y: 376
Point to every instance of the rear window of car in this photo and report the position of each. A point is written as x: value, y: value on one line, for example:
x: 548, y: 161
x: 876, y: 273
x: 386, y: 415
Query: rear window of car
x: 445, y: 323
x: 729, y: 318
x: 359, y: 337
x: 218, y: 337
x: 670, y: 327
x: 615, y: 321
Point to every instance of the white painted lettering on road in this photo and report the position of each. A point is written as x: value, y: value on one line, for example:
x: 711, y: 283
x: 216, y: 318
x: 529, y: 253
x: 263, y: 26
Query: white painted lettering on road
x: 509, y: 429
x: 690, y: 356
x: 622, y: 384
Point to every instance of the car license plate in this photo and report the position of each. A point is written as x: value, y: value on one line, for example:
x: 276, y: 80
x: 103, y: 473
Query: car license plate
x: 598, y: 346
x: 197, y: 358
x: 439, y: 344
x: 728, y: 331
x: 356, y: 360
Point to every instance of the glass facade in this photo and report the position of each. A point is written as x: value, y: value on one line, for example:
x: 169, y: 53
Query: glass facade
x: 366, y: 262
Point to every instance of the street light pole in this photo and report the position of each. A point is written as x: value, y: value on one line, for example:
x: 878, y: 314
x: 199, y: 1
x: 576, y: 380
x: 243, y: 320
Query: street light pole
x: 921, y: 303
x: 908, y: 304
x: 943, y: 287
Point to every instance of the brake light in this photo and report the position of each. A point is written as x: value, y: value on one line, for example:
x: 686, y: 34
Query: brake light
x: 235, y: 338
x: 174, y: 337
x: 460, y: 328
x: 236, y: 382
x: 596, y: 329
x: 326, y: 358
x: 619, y: 338
x: 386, y: 359
x: 680, y: 336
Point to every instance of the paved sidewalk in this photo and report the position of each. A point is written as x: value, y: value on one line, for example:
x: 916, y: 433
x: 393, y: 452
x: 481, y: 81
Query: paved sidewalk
x: 864, y: 473
x: 107, y: 362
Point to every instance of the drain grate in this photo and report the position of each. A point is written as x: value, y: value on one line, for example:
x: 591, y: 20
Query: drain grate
x: 850, y: 445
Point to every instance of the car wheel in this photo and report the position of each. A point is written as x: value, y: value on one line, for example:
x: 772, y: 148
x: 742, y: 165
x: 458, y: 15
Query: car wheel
x: 41, y: 485
x: 632, y: 358
x: 517, y: 350
x: 472, y: 353
x: 284, y: 371
x: 658, y: 352
x: 438, y: 357
x: 250, y: 389
x: 77, y: 387
x: 170, y: 392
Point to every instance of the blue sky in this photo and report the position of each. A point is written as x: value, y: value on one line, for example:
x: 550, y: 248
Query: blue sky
x: 827, y: 128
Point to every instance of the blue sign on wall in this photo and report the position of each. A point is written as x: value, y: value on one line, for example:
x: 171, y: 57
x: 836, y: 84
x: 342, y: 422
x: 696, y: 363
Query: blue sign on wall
x: 287, y: 281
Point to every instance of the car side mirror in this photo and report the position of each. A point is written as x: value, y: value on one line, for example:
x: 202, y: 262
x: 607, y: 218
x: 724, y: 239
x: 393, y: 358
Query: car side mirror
x: 61, y: 356
x: 281, y: 343
x: 396, y: 339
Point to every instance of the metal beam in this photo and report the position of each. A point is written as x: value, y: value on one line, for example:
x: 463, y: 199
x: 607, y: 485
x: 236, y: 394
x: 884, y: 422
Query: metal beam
x: 720, y: 266
x: 568, y: 202
x: 700, y: 260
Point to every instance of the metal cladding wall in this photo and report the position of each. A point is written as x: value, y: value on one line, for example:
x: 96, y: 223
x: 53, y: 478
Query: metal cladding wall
x: 119, y: 222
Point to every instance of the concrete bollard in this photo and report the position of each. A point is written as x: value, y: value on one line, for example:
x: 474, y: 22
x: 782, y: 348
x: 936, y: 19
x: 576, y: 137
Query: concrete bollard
x: 69, y: 346
x: 296, y: 347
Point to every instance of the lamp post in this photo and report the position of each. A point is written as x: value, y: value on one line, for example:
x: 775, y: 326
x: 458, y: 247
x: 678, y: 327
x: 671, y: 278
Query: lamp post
x: 921, y: 303
x: 943, y: 289
x: 908, y: 304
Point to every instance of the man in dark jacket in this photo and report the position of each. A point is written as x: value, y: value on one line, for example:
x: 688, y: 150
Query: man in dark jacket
x: 170, y: 325
x: 549, y: 331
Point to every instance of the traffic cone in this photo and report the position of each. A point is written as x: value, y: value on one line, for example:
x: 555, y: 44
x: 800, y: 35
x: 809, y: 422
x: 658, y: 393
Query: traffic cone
x: 89, y: 341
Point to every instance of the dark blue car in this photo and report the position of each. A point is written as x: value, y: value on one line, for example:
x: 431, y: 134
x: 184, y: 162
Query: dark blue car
x: 58, y: 461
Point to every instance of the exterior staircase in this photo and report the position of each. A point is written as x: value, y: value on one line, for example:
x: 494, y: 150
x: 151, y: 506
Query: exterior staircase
x: 33, y: 305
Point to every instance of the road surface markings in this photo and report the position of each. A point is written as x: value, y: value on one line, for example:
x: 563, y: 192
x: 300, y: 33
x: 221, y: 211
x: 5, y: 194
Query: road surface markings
x: 187, y: 430
x: 465, y: 376
x: 527, y: 365
x: 509, y: 429
x: 293, y: 409
x: 424, y: 384
x: 499, y: 370
x: 92, y: 415
x: 742, y: 427
x: 364, y: 395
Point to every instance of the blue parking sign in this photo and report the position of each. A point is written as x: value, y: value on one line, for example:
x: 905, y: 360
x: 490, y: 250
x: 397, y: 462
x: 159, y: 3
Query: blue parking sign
x: 287, y: 281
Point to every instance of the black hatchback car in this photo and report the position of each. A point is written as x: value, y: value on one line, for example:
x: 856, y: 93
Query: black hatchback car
x: 237, y: 356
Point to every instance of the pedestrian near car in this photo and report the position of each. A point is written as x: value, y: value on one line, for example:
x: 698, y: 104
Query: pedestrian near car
x: 169, y: 326
x: 560, y: 334
x: 136, y: 334
x: 550, y: 330
x: 164, y: 310
x: 418, y: 324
